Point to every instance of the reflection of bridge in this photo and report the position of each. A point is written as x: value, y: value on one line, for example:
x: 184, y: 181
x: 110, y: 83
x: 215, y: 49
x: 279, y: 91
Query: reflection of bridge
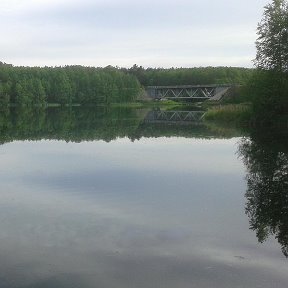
x: 199, y: 92
x: 158, y: 116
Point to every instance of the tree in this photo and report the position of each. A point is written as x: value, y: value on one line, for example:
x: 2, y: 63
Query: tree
x: 4, y: 97
x: 270, y: 82
x: 38, y: 90
x: 23, y: 95
x: 272, y: 41
x: 62, y: 87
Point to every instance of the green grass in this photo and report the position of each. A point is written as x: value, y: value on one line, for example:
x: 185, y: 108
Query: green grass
x: 149, y: 104
x: 230, y: 114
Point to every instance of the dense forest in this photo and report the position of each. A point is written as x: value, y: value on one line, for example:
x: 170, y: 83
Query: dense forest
x: 87, y: 85
x: 66, y: 85
x: 190, y: 76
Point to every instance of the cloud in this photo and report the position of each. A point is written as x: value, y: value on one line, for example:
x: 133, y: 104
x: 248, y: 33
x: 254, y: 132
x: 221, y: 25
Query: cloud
x: 135, y: 15
x: 147, y: 32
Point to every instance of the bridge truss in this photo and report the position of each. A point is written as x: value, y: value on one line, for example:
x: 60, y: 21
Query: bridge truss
x: 201, y: 92
x: 158, y: 116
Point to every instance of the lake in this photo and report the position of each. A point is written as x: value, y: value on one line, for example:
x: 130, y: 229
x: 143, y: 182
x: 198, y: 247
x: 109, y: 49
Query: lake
x: 106, y: 197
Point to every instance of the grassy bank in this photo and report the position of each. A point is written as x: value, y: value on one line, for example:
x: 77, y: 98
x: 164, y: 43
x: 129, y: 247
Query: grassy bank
x: 237, y: 114
x: 149, y: 104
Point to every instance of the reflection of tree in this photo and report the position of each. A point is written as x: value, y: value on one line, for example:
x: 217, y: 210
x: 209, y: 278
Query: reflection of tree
x: 67, y: 123
x: 266, y: 160
x: 89, y: 123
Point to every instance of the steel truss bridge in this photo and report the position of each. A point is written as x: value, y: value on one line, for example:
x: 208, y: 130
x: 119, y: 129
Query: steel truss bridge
x: 199, y: 92
x: 158, y: 116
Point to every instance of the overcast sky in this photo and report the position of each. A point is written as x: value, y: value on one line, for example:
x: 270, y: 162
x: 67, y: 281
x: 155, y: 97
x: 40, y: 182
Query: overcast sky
x: 151, y: 33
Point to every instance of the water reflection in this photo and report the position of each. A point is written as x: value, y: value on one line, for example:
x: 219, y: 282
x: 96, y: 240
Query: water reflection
x: 154, y: 204
x: 265, y: 155
x: 174, y: 116
x: 78, y: 124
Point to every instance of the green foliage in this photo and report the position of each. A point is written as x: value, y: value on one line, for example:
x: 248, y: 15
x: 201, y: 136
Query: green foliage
x: 269, y: 85
x: 237, y: 95
x: 4, y: 97
x: 190, y: 76
x: 272, y: 42
x: 266, y: 94
x: 88, y: 85
x: 236, y: 114
x: 66, y: 85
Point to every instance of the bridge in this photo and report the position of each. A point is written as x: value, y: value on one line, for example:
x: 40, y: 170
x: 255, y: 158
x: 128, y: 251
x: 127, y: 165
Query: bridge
x: 174, y: 117
x: 199, y: 92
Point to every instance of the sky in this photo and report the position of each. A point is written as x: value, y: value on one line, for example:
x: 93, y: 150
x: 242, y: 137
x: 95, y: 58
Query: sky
x: 150, y: 33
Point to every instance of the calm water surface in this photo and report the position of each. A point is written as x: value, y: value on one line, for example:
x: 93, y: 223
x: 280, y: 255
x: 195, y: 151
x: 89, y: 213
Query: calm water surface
x: 87, y: 202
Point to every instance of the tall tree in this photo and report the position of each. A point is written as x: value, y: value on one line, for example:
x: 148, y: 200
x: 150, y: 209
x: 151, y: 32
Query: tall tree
x: 272, y: 41
x: 270, y: 84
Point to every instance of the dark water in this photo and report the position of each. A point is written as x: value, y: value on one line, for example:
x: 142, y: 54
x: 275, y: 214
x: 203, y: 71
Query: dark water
x: 105, y: 197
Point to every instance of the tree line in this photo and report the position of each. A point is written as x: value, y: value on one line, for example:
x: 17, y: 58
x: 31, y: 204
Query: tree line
x: 66, y: 85
x: 190, y: 76
x: 88, y: 85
